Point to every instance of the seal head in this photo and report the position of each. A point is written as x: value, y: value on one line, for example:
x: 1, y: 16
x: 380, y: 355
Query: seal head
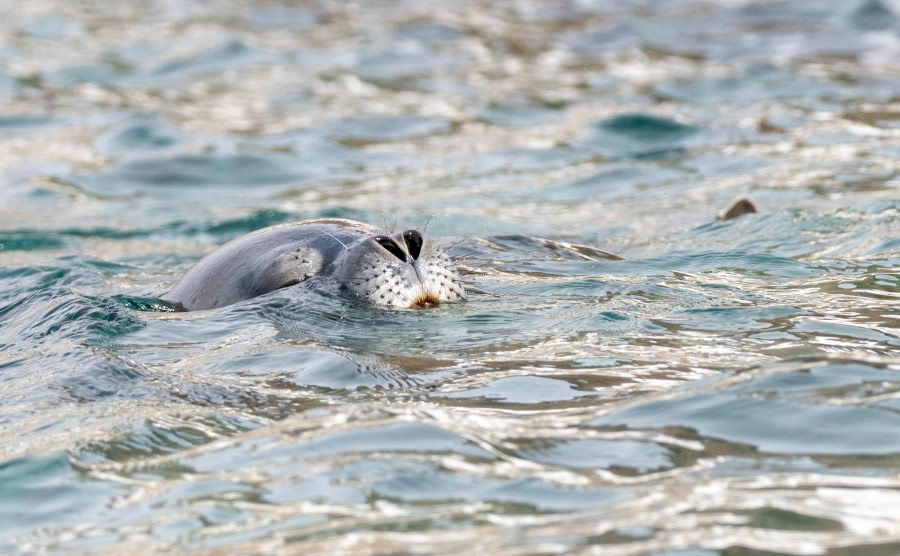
x: 404, y: 270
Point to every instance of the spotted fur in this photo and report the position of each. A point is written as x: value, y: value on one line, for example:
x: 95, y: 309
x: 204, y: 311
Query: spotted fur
x: 375, y: 274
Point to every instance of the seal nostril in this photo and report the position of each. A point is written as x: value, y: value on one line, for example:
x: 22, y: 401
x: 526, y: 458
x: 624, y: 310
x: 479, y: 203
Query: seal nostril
x: 413, y: 242
x: 391, y: 246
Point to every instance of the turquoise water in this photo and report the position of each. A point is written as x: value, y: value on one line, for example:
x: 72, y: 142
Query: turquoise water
x: 712, y: 388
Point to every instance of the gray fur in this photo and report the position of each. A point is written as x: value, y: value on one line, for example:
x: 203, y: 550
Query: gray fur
x: 287, y: 254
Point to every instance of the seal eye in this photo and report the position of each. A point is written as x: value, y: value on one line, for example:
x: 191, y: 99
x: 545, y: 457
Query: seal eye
x: 391, y: 246
x: 413, y: 241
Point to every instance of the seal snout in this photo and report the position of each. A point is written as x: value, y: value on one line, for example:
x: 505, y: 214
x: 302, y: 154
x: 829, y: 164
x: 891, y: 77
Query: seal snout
x: 406, y: 247
x: 403, y: 270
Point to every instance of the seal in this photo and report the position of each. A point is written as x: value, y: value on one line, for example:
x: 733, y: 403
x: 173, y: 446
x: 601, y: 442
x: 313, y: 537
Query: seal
x: 406, y: 270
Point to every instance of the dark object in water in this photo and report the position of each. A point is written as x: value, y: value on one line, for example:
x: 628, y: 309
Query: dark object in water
x: 740, y: 207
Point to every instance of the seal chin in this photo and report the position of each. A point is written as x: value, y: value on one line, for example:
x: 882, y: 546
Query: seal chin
x: 425, y: 301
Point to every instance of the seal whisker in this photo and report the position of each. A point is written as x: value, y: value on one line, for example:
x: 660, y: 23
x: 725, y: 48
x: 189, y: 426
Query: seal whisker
x: 473, y: 269
x: 383, y: 215
x: 464, y: 257
x: 480, y: 291
x: 425, y: 226
x: 332, y: 236
x: 452, y: 245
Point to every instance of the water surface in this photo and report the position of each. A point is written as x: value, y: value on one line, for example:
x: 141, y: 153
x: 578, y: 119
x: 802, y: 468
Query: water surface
x: 640, y: 379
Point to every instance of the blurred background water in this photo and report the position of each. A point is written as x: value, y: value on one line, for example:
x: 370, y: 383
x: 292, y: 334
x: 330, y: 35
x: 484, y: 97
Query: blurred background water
x: 727, y: 388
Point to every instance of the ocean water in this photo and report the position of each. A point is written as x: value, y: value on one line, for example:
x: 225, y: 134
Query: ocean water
x: 639, y: 378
